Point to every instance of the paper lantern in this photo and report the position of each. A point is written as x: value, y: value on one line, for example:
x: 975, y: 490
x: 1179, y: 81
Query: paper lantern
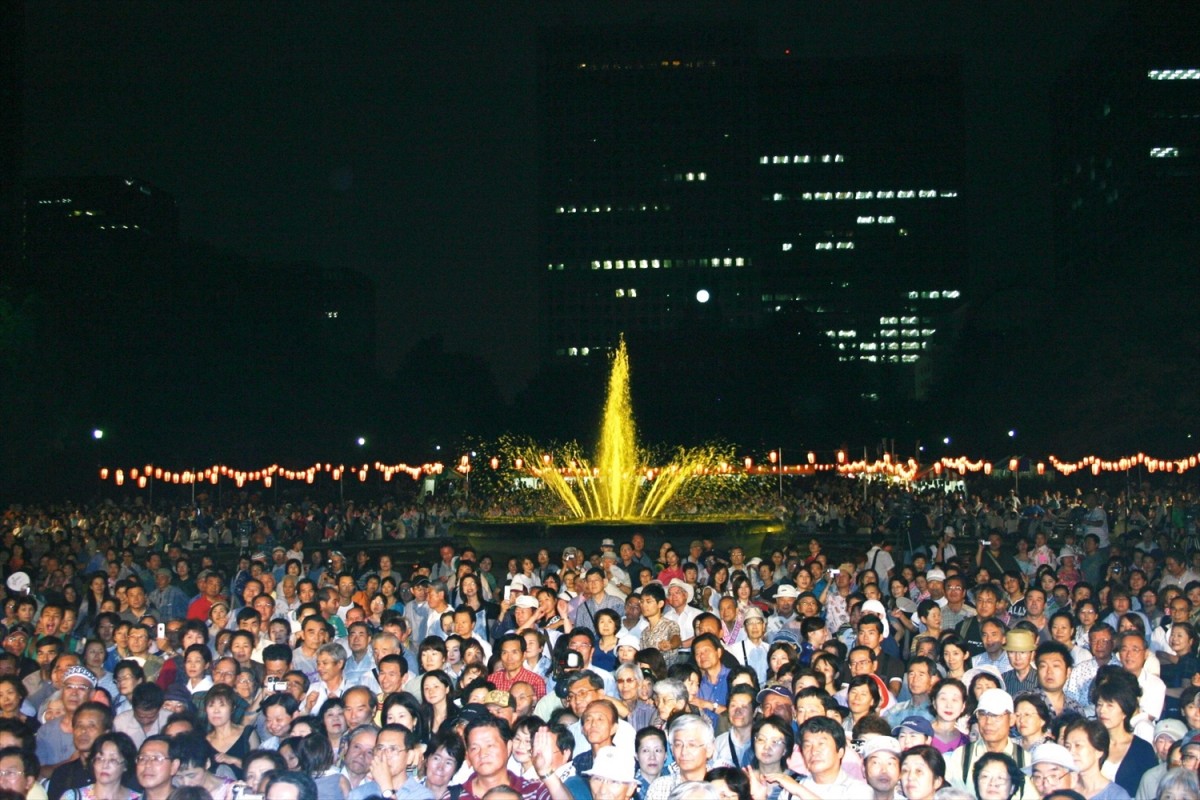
x: 749, y: 462
x: 267, y: 481
x: 1013, y: 464
x: 987, y: 468
x: 1041, y: 468
x: 104, y: 473
x: 120, y: 478
x: 142, y: 482
x: 1095, y: 467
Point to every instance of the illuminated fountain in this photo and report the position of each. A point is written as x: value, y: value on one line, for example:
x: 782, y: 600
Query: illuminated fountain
x: 619, y: 492
x: 620, y: 485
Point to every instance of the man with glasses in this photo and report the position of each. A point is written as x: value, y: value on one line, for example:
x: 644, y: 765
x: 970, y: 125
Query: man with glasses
x: 389, y: 768
x: 692, y: 746
x: 583, y: 689
x: 19, y: 770
x: 155, y: 767
x: 1052, y: 768
x: 55, y: 742
x: 995, y: 716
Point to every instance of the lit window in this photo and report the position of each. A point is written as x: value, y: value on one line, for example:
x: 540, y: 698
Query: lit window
x: 727, y: 262
x: 863, y: 195
x: 913, y: 295
x: 691, y: 176
x: 633, y: 292
x: 839, y: 158
x: 807, y: 195
x: 703, y: 176
x: 909, y: 359
x: 910, y: 346
x: 764, y: 160
x: 608, y: 264
x: 620, y: 293
x: 803, y: 159
x: 928, y: 331
x: 867, y: 346
x: 572, y: 351
x: 654, y: 263
x: 872, y: 359
x: 1164, y: 152
x: 928, y: 193
x: 908, y: 320
x: 947, y: 194
x: 584, y: 351
x: 951, y: 295
x: 787, y: 246
x: 777, y: 197
x: 866, y: 220
x: 905, y: 194
x: 331, y: 315
x: 716, y: 262
x: 595, y: 265
x: 739, y: 262
x: 888, y: 220
x: 825, y: 159
x: 620, y: 264
x: 844, y: 195
x: 1174, y: 74
x: 886, y: 195
x: 845, y: 245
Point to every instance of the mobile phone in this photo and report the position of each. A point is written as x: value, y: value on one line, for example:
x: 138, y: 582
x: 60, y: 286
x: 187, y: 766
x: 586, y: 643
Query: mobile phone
x: 276, y: 685
x: 162, y: 630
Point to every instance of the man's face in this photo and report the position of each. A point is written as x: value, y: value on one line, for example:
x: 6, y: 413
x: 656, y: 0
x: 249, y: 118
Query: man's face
x: 741, y: 711
x: 359, y: 639
x: 985, y: 605
x: 690, y: 749
x: 1052, y: 672
x: 707, y: 656
x: 13, y: 777
x: 1047, y: 778
x: 487, y: 752
x: 883, y: 772
x: 937, y: 589
x: 919, y: 680
x: 361, y: 749
x: 1035, y: 602
x: 861, y: 663
x: 88, y: 727
x: 993, y: 639
x: 154, y: 765
x: 1100, y: 643
x: 391, y: 678
x: 280, y: 791
x: 136, y: 597
x: 346, y: 587
x: 820, y: 752
x: 511, y: 655
x: 358, y: 709
x: 994, y: 727
x: 598, y: 725
x: 51, y: 619
x: 1133, y: 654
x: 638, y: 541
x: 581, y: 695
x: 328, y: 667
x: 1020, y: 660
x: 868, y: 636
x: 777, y: 705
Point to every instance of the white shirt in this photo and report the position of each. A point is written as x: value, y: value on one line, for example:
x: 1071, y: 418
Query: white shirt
x: 685, y: 619
x: 844, y: 787
x: 1154, y: 693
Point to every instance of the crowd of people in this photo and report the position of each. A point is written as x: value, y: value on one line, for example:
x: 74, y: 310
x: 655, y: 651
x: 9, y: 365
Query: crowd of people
x: 972, y: 647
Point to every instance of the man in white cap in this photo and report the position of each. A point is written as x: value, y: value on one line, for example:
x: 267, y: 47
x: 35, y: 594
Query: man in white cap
x: 1166, y: 733
x: 995, y: 716
x: 881, y: 766
x: 785, y: 609
x: 679, y: 595
x: 752, y: 648
x: 935, y: 582
x: 611, y: 776
x: 1051, y: 768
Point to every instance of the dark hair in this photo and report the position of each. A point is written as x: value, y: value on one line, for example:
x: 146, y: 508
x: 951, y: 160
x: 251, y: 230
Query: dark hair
x: 410, y: 737
x: 1096, y: 733
x: 1054, y: 648
x: 306, y: 788
x: 1115, y: 685
x: 415, y: 708
x: 452, y: 744
x: 732, y: 777
x: 128, y: 751
x: 783, y: 727
x: 278, y: 762
x: 654, y: 660
x: 1039, y: 705
x: 314, y: 753
x: 818, y: 725
x: 656, y: 591
x: 869, y: 682
x: 948, y: 683
x: 29, y: 760
x: 1015, y: 776
x: 501, y: 727
x: 191, y: 750
x: 929, y: 754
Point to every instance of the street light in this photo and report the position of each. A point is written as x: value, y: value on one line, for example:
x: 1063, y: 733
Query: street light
x: 98, y: 434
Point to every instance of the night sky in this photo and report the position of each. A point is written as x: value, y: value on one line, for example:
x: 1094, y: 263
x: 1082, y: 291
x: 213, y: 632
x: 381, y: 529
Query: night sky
x: 399, y: 138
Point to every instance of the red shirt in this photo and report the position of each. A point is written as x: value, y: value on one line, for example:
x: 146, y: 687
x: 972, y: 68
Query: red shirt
x: 504, y: 683
x: 199, y: 608
x: 529, y: 790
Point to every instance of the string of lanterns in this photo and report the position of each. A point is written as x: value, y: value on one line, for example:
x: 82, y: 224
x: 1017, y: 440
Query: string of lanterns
x: 906, y: 470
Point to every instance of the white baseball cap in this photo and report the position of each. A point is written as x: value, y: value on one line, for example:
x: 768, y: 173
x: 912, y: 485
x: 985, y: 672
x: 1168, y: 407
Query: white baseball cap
x: 610, y: 766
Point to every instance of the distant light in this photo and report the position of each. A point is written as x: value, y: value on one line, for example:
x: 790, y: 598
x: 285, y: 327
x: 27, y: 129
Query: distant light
x: 361, y: 441
x: 946, y: 440
x: 97, y: 434
x: 1011, y: 434
x: 702, y: 296
x: 437, y: 447
x: 921, y: 448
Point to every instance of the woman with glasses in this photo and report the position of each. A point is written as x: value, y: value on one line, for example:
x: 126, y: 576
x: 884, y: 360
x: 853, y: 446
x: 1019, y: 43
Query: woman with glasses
x: 997, y: 777
x: 113, y: 767
x: 773, y: 742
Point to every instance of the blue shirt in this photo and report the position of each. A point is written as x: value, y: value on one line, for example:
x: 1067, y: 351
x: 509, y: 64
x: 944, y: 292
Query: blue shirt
x: 715, y: 691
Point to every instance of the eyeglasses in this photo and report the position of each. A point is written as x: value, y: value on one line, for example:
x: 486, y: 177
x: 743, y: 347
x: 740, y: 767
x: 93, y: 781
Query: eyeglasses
x: 768, y: 742
x: 389, y: 749
x: 152, y: 759
x: 109, y: 761
x: 5, y: 774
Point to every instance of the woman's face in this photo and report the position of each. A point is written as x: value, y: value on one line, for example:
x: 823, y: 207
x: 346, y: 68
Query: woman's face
x: 825, y: 669
x: 255, y: 771
x: 218, y: 713
x: 243, y: 684
x: 860, y: 701
x: 219, y: 616
x: 743, y: 592
x: 194, y: 666
x: 651, y: 755
x: 126, y: 683
x: 769, y: 746
x: 1062, y: 631
x: 983, y: 683
x: 378, y: 605
x: 1081, y: 748
x: 1029, y: 724
x: 779, y: 658
x: 10, y: 700
x: 954, y: 656
x: 994, y: 782
x: 434, y: 691
x: 1110, y: 714
x: 917, y: 779
x: 439, y: 768
x: 98, y: 585
x: 399, y: 715
x: 606, y: 626
x: 522, y: 747
x: 804, y: 581
x: 949, y: 705
x: 94, y: 655
x: 1180, y: 642
x: 289, y: 756
x: 335, y: 722
x: 453, y: 653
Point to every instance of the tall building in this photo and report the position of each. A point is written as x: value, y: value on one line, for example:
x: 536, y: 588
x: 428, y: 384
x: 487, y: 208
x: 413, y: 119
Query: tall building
x: 693, y: 190
x: 862, y: 240
x: 646, y: 183
x: 1128, y: 155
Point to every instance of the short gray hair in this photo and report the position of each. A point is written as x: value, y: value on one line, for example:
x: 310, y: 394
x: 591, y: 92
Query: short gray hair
x: 672, y: 688
x: 692, y: 721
